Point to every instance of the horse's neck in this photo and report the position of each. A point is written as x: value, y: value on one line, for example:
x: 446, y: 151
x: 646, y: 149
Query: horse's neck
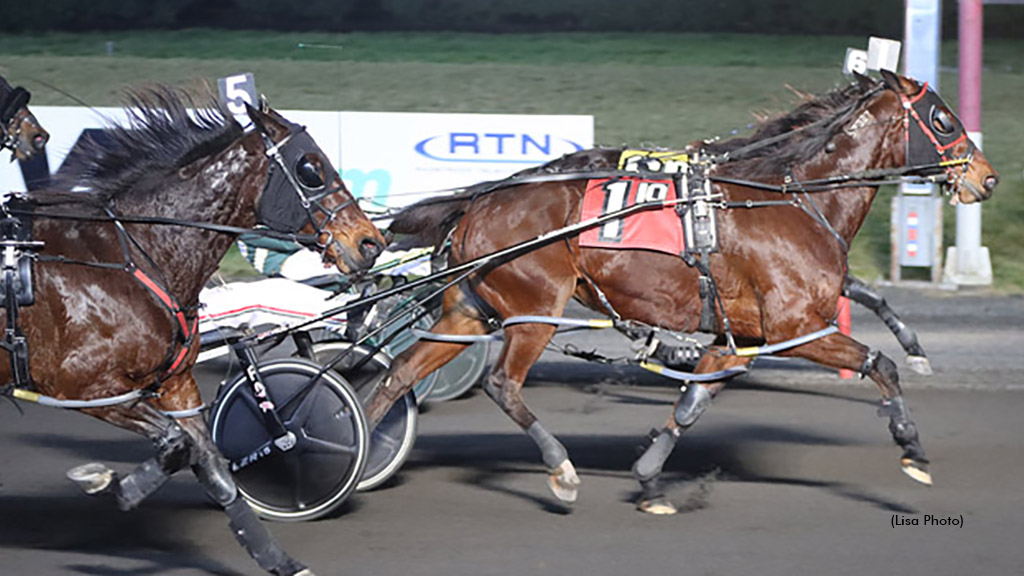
x: 218, y: 190
x: 846, y: 208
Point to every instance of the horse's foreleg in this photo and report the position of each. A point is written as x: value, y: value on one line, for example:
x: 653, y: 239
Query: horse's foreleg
x: 419, y: 361
x: 693, y: 401
x: 211, y: 469
x: 841, y: 351
x: 862, y: 294
x: 524, y: 344
x: 173, y: 452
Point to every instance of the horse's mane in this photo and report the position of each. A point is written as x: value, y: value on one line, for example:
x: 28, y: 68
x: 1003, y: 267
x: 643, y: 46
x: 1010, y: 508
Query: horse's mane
x: 167, y: 129
x: 832, y: 109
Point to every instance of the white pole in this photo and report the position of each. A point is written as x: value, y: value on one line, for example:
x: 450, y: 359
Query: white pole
x: 969, y: 264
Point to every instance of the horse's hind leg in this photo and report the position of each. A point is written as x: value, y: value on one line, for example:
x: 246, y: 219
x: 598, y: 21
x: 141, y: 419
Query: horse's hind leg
x: 841, y: 351
x: 693, y: 401
x: 862, y: 294
x: 524, y: 344
x: 211, y: 469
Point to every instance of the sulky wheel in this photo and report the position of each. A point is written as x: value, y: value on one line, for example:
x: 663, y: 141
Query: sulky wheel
x: 464, y: 371
x: 403, y: 341
x: 392, y: 440
x: 322, y: 469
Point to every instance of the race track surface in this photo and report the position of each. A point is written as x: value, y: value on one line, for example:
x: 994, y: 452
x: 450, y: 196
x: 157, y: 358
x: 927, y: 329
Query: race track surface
x: 790, y: 472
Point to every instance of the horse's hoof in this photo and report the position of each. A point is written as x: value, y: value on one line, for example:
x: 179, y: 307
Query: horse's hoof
x: 916, y: 470
x: 304, y: 572
x: 564, y: 482
x: 920, y: 365
x: 659, y: 506
x: 93, y: 477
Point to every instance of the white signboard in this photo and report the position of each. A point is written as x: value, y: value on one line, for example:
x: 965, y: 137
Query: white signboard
x: 391, y: 159
x: 395, y: 159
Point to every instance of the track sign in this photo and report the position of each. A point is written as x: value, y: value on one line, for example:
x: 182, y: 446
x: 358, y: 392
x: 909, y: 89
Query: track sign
x: 237, y: 91
x: 856, y: 61
x: 882, y: 54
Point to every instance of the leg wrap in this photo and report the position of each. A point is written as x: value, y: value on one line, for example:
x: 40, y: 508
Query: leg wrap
x: 212, y: 472
x: 550, y: 448
x: 653, y: 459
x: 902, y: 427
x: 173, y: 451
x: 694, y: 401
x: 143, y: 481
x: 869, y: 362
x: 258, y: 542
x: 865, y: 296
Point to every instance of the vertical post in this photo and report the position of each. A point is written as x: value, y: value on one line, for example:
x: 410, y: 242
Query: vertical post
x: 969, y: 263
x: 843, y: 319
x: 922, y: 43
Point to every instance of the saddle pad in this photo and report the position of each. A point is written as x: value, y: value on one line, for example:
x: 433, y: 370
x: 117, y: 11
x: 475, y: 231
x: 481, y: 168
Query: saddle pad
x: 655, y: 229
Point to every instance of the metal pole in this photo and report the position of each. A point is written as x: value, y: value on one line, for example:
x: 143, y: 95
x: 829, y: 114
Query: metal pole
x: 969, y: 264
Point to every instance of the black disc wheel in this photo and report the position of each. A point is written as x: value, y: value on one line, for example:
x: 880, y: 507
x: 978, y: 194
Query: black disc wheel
x: 392, y: 440
x: 311, y: 478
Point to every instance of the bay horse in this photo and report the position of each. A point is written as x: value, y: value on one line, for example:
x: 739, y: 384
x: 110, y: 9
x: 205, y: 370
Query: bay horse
x: 20, y: 132
x: 779, y: 268
x: 117, y: 282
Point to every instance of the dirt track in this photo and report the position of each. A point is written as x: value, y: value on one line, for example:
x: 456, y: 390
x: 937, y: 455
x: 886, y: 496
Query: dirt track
x: 790, y: 472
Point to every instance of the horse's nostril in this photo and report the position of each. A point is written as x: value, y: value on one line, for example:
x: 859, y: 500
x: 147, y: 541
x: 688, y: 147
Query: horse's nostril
x: 370, y: 248
x: 990, y: 183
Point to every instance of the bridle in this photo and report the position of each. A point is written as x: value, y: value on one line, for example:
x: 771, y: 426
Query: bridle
x: 938, y: 136
x: 13, y: 115
x: 295, y: 188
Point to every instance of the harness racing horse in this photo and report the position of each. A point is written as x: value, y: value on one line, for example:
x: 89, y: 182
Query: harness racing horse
x: 853, y: 288
x: 117, y: 283
x: 792, y: 197
x: 20, y: 132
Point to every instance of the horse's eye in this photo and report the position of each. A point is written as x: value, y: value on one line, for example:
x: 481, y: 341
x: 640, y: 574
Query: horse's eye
x: 942, y: 122
x: 308, y: 174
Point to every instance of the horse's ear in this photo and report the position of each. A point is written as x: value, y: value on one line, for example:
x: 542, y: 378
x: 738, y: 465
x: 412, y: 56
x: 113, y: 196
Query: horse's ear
x: 864, y: 82
x: 897, y: 83
x: 268, y: 121
x: 257, y: 117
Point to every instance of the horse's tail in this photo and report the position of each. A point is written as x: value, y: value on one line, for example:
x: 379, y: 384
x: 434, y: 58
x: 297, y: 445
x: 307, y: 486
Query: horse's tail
x: 427, y: 223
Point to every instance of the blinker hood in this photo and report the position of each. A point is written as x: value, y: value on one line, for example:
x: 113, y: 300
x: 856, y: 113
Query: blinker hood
x: 13, y: 101
x: 287, y: 204
x: 921, y: 149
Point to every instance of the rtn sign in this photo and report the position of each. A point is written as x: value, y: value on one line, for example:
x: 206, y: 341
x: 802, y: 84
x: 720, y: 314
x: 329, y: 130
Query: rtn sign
x: 495, y: 147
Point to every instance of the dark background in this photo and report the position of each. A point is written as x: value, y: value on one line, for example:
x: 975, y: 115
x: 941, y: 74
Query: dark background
x: 860, y: 17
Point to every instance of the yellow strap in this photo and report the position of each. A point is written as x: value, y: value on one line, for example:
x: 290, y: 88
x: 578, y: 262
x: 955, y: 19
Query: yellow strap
x: 751, y: 351
x: 601, y: 323
x: 955, y: 162
x: 652, y: 367
x: 26, y: 395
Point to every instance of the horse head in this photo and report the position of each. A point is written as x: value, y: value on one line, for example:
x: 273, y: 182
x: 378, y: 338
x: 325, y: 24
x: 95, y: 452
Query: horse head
x: 19, y: 130
x: 304, y: 193
x: 937, y: 142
